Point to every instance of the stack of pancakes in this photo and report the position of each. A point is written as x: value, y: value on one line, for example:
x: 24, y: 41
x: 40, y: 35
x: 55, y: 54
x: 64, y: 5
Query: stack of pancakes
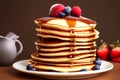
x: 65, y: 44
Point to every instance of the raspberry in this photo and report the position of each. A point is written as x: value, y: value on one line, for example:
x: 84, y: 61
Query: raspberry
x: 76, y: 11
x: 56, y: 9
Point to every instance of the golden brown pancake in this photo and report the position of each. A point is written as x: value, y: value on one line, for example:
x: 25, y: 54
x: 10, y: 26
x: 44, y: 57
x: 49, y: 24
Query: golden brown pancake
x: 65, y: 44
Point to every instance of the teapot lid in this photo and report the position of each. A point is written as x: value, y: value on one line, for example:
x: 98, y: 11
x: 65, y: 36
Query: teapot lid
x: 12, y: 35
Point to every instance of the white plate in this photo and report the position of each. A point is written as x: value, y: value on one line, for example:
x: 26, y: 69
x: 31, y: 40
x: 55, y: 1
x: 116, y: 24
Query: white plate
x: 21, y: 66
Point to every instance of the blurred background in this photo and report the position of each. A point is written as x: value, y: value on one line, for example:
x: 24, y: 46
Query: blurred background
x: 18, y: 16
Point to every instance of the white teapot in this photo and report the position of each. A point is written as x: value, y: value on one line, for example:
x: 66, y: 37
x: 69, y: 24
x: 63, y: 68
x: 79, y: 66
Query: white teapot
x: 8, y: 49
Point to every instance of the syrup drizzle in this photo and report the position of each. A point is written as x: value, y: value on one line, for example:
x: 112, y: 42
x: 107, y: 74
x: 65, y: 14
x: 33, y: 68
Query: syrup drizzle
x: 71, y: 21
x: 72, y: 24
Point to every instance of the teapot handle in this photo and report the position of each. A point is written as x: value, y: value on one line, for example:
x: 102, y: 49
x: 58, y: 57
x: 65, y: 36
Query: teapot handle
x: 21, y: 47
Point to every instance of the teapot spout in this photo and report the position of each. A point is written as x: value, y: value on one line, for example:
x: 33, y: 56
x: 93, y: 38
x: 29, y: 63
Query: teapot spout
x: 12, y: 35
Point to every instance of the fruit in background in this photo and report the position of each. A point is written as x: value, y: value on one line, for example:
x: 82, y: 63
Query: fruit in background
x: 116, y: 59
x: 115, y: 52
x: 76, y: 11
x: 103, y: 51
x: 56, y: 9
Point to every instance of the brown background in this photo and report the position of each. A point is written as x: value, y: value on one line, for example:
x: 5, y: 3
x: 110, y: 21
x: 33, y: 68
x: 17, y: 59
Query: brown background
x: 18, y: 15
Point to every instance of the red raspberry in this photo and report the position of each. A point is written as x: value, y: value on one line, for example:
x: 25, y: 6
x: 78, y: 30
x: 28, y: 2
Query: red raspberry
x: 76, y: 11
x: 56, y: 9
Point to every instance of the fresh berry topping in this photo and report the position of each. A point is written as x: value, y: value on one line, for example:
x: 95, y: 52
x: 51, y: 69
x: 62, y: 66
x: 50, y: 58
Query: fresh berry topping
x: 30, y: 67
x: 96, y: 67
x: 59, y: 10
x: 103, y: 51
x: 62, y: 14
x: 83, y: 70
x: 98, y: 61
x: 56, y: 9
x: 67, y: 10
x: 76, y: 11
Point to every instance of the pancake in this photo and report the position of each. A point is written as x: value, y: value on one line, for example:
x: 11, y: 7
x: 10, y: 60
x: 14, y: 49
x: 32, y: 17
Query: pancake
x: 43, y: 67
x: 76, y: 58
x: 68, y: 34
x: 48, y: 42
x: 65, y: 44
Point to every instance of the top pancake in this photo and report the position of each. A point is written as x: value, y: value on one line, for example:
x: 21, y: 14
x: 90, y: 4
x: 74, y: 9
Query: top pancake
x: 81, y: 29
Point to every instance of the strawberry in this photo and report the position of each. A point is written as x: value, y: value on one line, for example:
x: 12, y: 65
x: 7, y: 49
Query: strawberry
x: 115, y: 52
x: 56, y: 9
x: 116, y: 59
x: 76, y: 11
x: 103, y: 51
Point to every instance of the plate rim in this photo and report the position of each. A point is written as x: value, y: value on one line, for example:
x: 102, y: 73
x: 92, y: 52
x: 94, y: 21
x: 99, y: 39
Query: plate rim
x: 59, y: 73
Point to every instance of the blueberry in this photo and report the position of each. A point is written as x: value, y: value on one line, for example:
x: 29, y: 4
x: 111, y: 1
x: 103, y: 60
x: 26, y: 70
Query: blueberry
x: 29, y: 67
x: 96, y: 67
x: 98, y: 61
x: 67, y: 10
x: 62, y: 14
x: 83, y: 70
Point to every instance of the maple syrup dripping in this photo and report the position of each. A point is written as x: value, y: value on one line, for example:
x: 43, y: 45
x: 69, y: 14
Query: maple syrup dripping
x: 37, y: 48
x: 72, y: 24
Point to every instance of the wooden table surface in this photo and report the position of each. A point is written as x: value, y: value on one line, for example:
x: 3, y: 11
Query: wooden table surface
x: 8, y: 73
